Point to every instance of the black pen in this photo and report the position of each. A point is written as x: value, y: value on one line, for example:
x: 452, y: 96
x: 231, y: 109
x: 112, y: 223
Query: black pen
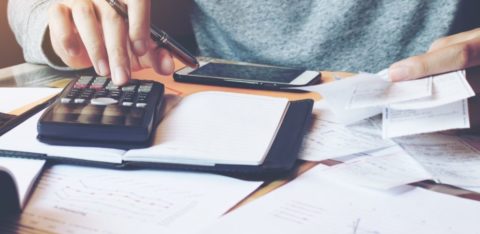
x: 161, y: 38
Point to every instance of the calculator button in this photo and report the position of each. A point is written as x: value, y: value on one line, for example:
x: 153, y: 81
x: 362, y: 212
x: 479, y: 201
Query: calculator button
x: 79, y: 100
x: 129, y: 88
x: 80, y: 86
x: 141, y: 105
x: 147, y: 87
x: 127, y: 103
x: 65, y: 100
x: 85, y: 79
x: 111, y: 86
x: 103, y: 101
x: 96, y: 86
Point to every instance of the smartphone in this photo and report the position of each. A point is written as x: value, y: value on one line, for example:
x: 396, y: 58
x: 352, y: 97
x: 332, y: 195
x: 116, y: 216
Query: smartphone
x: 247, y: 75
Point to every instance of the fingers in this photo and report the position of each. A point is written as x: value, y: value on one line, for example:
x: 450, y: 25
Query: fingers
x: 453, y: 57
x: 115, y: 38
x: 455, y: 39
x: 90, y: 32
x: 86, y: 21
x: 139, y: 25
x: 65, y: 40
x: 160, y: 60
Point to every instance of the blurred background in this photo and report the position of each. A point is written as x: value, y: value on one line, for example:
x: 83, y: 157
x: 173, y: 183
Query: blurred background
x: 10, y: 51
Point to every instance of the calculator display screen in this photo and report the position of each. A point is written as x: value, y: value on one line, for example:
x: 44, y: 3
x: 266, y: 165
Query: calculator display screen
x: 95, y: 114
x: 244, y: 72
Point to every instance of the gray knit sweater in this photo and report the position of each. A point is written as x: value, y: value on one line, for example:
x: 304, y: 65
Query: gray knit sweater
x: 349, y: 35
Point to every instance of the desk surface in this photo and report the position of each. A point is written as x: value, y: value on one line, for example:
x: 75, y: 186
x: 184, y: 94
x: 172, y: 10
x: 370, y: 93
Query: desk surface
x: 28, y: 75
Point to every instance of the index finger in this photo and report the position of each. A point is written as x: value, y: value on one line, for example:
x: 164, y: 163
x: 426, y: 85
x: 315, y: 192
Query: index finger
x: 454, y: 57
x: 139, y: 25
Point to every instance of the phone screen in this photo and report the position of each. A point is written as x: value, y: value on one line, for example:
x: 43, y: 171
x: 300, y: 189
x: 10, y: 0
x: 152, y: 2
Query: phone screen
x: 245, y: 72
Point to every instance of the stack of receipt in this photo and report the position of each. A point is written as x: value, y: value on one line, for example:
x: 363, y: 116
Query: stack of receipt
x: 431, y: 104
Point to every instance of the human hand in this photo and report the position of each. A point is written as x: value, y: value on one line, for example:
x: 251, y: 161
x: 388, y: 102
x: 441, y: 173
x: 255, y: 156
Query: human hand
x: 450, y: 53
x: 86, y: 33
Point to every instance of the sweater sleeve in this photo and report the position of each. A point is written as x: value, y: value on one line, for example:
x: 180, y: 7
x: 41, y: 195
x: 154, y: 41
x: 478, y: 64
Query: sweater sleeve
x: 28, y: 20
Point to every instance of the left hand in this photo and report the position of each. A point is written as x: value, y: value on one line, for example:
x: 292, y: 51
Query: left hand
x: 455, y: 52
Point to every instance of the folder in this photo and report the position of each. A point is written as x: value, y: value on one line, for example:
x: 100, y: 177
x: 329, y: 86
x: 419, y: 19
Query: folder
x: 279, y: 159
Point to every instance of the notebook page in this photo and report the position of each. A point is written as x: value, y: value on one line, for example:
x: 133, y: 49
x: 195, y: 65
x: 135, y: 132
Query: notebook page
x: 24, y: 138
x: 216, y: 128
x: 24, y: 172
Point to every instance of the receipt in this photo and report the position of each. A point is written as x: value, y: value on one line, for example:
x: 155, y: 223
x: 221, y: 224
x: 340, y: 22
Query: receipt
x: 334, y: 93
x: 447, y: 88
x: 382, y: 169
x: 449, y: 159
x: 408, y: 122
x: 382, y: 93
x: 327, y: 139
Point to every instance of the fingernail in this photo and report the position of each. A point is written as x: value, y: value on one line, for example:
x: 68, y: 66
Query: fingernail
x: 399, y: 73
x: 140, y: 47
x: 102, y: 67
x: 120, y: 76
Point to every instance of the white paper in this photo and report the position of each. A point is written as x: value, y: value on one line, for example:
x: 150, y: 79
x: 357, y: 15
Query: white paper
x: 334, y: 94
x: 313, y: 204
x: 15, y: 98
x: 381, y: 169
x: 408, y: 122
x: 24, y: 138
x: 327, y: 139
x: 450, y: 159
x: 447, y: 88
x: 216, y: 127
x: 24, y: 172
x: 72, y: 199
x: 384, y: 93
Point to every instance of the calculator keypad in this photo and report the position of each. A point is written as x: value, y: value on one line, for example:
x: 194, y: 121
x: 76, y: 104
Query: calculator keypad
x: 98, y: 100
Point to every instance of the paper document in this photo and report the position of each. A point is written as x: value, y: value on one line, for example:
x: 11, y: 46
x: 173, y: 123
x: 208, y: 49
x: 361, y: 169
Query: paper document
x: 382, y: 93
x: 382, y: 169
x: 447, y: 88
x: 327, y: 139
x: 313, y: 204
x: 72, y: 199
x: 334, y: 94
x: 26, y: 134
x: 430, y: 104
x: 449, y: 159
x: 407, y: 122
x: 24, y: 173
x: 14, y: 98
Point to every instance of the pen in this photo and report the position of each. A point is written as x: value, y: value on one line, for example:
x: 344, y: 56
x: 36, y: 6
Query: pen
x: 161, y: 38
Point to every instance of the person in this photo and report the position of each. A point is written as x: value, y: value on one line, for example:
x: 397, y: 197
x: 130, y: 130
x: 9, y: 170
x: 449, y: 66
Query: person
x: 413, y: 38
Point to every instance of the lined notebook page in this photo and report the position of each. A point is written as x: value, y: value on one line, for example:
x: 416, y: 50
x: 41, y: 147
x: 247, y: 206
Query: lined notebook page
x: 216, y: 128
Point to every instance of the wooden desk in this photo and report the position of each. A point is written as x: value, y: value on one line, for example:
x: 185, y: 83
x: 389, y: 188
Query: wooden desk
x: 186, y: 89
x: 13, y: 76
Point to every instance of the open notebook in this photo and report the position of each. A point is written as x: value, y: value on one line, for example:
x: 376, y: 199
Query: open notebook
x: 212, y: 131
x: 17, y: 176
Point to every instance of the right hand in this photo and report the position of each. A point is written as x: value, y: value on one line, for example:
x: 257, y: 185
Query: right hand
x: 86, y: 33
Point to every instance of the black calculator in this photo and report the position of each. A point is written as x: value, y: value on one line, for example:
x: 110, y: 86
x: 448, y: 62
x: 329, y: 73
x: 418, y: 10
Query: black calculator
x: 92, y: 111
